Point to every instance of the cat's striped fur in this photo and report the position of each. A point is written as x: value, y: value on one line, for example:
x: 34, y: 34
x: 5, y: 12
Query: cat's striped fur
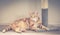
x: 32, y: 23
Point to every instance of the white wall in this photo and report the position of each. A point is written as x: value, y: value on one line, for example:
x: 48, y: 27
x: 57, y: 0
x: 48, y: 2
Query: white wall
x: 13, y: 10
x: 54, y: 12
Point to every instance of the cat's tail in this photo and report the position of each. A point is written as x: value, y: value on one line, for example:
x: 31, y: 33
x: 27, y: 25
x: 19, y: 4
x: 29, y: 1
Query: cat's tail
x: 6, y: 29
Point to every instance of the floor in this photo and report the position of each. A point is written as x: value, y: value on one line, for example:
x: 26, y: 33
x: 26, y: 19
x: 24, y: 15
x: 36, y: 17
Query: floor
x: 30, y: 33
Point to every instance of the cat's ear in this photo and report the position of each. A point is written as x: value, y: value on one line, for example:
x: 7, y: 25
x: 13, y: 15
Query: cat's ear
x: 30, y: 13
x: 36, y: 12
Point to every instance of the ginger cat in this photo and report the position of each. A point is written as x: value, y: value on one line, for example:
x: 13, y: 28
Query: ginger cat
x: 32, y: 23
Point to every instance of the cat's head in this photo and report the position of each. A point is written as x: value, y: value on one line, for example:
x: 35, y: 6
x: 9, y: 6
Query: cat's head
x: 34, y: 14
